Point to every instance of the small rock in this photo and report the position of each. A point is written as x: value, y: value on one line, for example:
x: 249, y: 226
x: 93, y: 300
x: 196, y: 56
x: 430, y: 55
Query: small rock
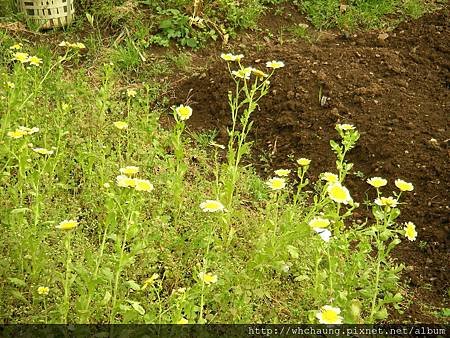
x: 335, y: 112
x: 383, y: 36
x: 434, y: 143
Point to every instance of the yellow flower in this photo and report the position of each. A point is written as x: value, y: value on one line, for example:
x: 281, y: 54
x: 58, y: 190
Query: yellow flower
x: 131, y: 93
x: 282, y: 172
x: 404, y: 186
x: 329, y: 315
x: 243, y: 73
x: 17, y: 46
x: 208, y: 278
x: 129, y: 170
x: 319, y: 222
x: 143, y: 185
x: 303, y: 161
x: 276, y: 183
x: 11, y: 85
x: 184, y: 112
x: 43, y: 290
x: 22, y: 57
x: 34, y: 61
x: 377, y: 182
x: 16, y: 133
x: 125, y: 181
x: 43, y: 151
x: 339, y: 193
x: 329, y: 177
x: 345, y: 126
x: 150, y: 281
x: 183, y: 321
x: 390, y: 202
x: 274, y: 64
x: 410, y: 231
x: 67, y: 224
x: 120, y: 125
x: 211, y: 206
x: 231, y: 57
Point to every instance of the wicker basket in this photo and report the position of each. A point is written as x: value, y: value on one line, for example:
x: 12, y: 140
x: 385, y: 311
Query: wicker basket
x: 48, y: 13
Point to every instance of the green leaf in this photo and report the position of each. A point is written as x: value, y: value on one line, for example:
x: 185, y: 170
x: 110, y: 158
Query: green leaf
x: 106, y: 298
x: 20, y: 211
x: 394, y: 213
x: 381, y: 314
x: 335, y: 146
x: 137, y: 306
x: 17, y: 281
x: 445, y: 312
x: 293, y: 251
x: 377, y: 212
x: 133, y: 285
x: 18, y: 295
x: 191, y: 42
x: 164, y: 24
x: 398, y: 297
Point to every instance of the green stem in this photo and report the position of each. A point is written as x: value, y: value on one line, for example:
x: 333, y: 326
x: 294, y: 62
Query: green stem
x: 42, y: 81
x: 68, y: 273
x: 375, y: 292
x: 330, y: 269
x: 119, y: 269
x: 85, y: 311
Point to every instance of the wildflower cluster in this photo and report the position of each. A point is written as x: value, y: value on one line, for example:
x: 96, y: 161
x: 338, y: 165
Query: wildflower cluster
x: 22, y: 131
x: 23, y: 57
x: 127, y: 180
x: 386, y: 206
x: 245, y: 72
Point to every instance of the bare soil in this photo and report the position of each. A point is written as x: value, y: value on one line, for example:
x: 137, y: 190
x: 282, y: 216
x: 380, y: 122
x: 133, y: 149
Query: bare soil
x: 394, y: 89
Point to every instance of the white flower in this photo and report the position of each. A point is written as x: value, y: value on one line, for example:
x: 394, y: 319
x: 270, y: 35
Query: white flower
x: 323, y: 233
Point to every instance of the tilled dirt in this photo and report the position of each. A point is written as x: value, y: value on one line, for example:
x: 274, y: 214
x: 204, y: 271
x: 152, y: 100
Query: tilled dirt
x: 395, y: 90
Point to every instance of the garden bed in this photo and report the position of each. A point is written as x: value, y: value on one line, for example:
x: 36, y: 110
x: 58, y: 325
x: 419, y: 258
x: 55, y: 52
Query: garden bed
x: 395, y: 89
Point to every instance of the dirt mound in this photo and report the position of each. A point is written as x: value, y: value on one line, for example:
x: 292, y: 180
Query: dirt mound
x: 395, y: 90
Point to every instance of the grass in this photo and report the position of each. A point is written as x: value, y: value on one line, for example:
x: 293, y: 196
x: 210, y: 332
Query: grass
x: 325, y: 14
x: 144, y: 247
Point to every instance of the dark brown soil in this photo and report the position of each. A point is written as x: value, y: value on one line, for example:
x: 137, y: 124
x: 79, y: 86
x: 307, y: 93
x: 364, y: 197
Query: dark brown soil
x: 395, y: 91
